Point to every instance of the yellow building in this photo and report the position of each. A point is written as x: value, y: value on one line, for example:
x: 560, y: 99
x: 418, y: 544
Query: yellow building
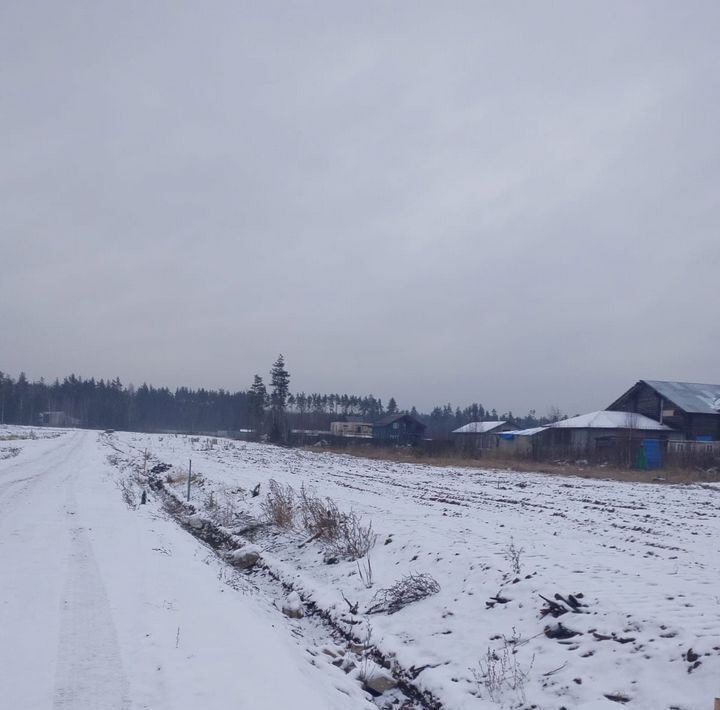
x: 352, y: 429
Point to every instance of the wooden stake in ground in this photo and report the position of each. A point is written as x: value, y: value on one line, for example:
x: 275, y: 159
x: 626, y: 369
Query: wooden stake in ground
x: 189, y: 476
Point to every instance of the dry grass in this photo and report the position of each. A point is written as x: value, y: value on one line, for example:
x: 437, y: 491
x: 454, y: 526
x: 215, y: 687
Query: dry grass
x: 279, y: 505
x: 342, y: 533
x: 18, y: 437
x: 321, y: 518
x: 508, y: 462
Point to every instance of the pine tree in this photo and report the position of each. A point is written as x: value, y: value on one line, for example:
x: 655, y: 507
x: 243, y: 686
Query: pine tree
x: 280, y: 380
x: 258, y: 399
x: 392, y: 407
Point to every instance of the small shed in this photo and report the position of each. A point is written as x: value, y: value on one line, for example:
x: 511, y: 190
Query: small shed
x: 479, y: 435
x: 520, y: 441
x: 398, y: 429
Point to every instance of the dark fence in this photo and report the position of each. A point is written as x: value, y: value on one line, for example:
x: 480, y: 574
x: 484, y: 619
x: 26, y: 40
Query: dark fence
x: 694, y: 454
x: 619, y: 452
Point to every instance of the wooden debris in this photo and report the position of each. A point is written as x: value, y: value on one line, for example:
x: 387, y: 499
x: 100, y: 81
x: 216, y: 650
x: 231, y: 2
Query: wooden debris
x: 560, y: 632
x: 617, y: 698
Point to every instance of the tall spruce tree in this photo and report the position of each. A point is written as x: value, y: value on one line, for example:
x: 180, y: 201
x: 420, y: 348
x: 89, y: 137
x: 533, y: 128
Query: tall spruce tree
x: 280, y: 381
x: 258, y: 399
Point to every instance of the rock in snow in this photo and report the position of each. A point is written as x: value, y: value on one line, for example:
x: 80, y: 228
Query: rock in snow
x: 245, y: 557
x: 196, y: 521
x: 379, y: 683
x: 292, y: 606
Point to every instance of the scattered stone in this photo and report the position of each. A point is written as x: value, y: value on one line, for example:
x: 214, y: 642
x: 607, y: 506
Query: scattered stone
x: 379, y: 683
x: 292, y: 606
x: 196, y: 522
x: 245, y: 557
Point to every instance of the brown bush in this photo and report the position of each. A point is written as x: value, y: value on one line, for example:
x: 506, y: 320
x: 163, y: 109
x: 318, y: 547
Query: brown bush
x: 344, y: 533
x: 279, y: 505
x: 321, y: 518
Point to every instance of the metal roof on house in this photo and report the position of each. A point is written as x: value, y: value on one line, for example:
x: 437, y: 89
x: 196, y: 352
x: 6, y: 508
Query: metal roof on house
x: 607, y: 419
x: 691, y: 397
x: 478, y: 427
x: 390, y: 418
x: 526, y: 432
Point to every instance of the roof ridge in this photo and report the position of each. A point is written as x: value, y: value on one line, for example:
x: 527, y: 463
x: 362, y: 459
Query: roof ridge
x: 684, y: 382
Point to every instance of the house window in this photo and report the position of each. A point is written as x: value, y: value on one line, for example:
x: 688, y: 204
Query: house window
x: 396, y: 425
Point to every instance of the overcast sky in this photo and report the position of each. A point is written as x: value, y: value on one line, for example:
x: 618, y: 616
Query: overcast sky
x: 510, y: 203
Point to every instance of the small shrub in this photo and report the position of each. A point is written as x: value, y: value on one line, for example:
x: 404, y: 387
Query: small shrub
x: 209, y: 445
x: 9, y: 452
x: 367, y: 666
x: 513, y: 555
x: 279, y: 505
x: 365, y: 571
x: 321, y: 518
x: 499, y: 673
x: 355, y: 539
x: 344, y: 533
x: 221, y: 508
x: 409, y: 589
x: 128, y: 493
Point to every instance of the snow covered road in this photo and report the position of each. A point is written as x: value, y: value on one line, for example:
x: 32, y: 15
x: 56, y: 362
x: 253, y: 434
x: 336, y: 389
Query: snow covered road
x: 107, y: 608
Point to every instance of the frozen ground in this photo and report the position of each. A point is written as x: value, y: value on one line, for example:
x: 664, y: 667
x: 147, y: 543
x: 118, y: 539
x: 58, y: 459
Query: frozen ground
x: 107, y: 604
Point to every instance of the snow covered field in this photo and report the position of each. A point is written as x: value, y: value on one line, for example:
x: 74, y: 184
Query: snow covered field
x: 110, y: 606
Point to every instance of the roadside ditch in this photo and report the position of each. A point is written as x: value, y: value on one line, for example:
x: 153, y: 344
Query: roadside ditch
x: 391, y: 685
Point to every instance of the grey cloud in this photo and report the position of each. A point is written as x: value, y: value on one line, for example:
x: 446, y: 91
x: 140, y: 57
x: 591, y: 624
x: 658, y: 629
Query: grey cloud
x: 510, y: 203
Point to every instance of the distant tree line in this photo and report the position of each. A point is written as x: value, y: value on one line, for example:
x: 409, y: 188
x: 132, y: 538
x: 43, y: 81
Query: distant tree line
x: 108, y: 404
